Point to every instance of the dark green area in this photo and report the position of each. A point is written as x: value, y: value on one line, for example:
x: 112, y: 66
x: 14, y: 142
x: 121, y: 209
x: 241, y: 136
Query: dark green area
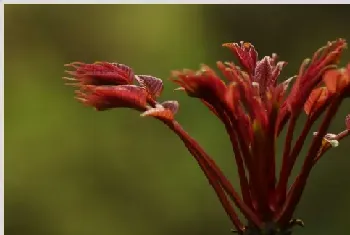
x: 73, y: 171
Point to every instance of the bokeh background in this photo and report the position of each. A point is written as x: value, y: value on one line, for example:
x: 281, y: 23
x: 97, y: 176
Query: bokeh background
x: 73, y: 171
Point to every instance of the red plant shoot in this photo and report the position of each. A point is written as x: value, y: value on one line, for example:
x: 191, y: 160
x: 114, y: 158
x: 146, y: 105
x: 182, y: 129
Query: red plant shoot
x: 254, y: 108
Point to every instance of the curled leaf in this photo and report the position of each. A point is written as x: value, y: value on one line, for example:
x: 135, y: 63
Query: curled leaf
x: 336, y: 80
x: 153, y: 85
x: 172, y: 105
x: 317, y: 97
x: 164, y: 111
x: 159, y: 112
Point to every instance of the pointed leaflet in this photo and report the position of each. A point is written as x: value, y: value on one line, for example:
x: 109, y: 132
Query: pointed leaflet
x: 232, y: 72
x: 263, y: 75
x: 153, y: 85
x: 316, y: 99
x: 100, y: 73
x: 281, y: 89
x: 108, y: 97
x: 311, y: 73
x: 204, y: 84
x: 244, y: 91
x: 246, y: 54
x: 276, y: 69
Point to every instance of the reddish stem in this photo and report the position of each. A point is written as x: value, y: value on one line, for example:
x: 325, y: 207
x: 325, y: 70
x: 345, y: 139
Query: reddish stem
x: 283, y: 117
x: 297, y: 190
x: 259, y: 152
x: 286, y: 166
x: 255, y: 186
x: 204, y: 160
x: 271, y: 169
x: 230, y: 129
x: 238, y: 157
x: 212, y: 178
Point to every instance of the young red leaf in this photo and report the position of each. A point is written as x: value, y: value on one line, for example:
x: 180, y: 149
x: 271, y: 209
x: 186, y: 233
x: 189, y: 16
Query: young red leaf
x: 153, y: 85
x: 204, y: 84
x: 100, y: 73
x: 246, y: 54
x: 311, y: 72
x: 316, y: 99
x: 335, y: 80
x: 108, y: 97
x: 164, y: 111
x: 159, y: 112
x: 263, y: 74
x: 172, y: 105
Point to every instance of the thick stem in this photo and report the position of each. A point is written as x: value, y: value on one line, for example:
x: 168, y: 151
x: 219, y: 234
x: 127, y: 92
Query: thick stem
x: 271, y: 157
x: 259, y: 150
x: 286, y: 169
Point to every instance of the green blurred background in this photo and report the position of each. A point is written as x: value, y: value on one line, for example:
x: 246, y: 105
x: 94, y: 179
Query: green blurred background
x: 73, y: 171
